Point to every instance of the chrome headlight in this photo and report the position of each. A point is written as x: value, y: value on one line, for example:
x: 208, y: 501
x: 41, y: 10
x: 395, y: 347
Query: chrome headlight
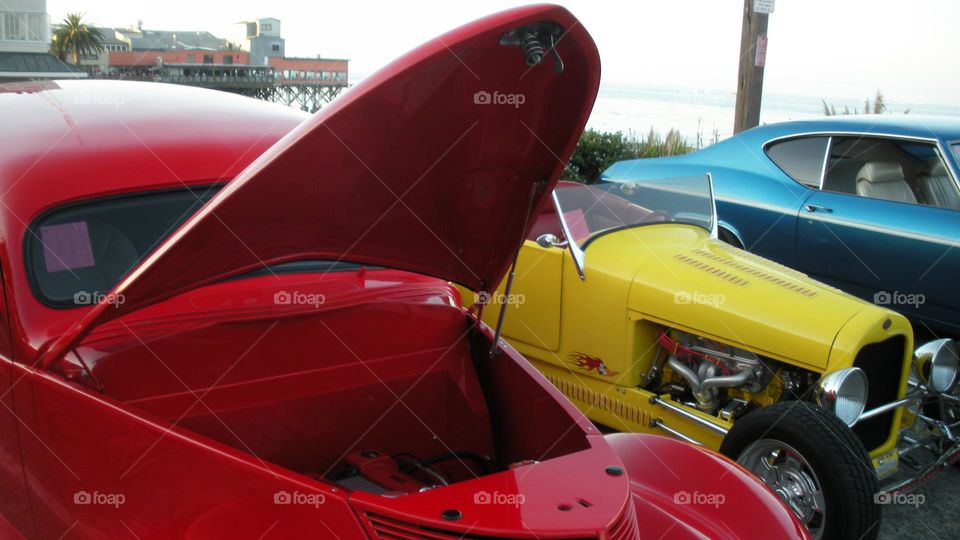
x: 844, y: 393
x: 937, y: 365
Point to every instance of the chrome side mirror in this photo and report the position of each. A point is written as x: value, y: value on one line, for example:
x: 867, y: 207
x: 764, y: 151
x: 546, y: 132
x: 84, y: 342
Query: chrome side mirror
x: 549, y: 240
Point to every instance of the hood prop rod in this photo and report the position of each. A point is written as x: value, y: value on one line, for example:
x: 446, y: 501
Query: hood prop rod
x: 88, y: 371
x: 495, y: 347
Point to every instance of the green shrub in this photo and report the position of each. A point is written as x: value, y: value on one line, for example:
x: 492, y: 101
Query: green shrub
x: 597, y: 150
x: 879, y: 106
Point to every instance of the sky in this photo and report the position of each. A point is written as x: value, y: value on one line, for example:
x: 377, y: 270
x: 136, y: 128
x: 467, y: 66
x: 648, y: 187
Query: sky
x: 834, y: 49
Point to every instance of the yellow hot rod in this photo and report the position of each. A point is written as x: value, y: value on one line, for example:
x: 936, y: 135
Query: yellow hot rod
x: 626, y: 300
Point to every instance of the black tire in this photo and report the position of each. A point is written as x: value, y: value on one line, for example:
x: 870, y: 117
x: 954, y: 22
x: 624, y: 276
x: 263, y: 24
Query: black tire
x: 834, y: 453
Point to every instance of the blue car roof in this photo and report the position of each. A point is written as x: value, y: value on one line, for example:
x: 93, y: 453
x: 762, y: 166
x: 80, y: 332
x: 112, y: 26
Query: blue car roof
x: 730, y: 152
x: 909, y: 125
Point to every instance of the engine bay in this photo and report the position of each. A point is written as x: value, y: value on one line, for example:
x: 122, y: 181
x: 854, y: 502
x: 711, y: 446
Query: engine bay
x: 720, y: 379
x: 380, y: 473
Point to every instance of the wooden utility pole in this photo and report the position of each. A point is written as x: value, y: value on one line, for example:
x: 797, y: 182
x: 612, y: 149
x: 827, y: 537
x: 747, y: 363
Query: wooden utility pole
x: 753, y: 57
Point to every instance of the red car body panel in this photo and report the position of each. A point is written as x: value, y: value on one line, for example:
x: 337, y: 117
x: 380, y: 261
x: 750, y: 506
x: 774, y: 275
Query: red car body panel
x: 216, y: 412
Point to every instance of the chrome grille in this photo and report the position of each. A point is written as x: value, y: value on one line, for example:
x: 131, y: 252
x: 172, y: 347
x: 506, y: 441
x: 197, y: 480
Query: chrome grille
x: 386, y: 528
x: 883, y: 365
x: 625, y: 527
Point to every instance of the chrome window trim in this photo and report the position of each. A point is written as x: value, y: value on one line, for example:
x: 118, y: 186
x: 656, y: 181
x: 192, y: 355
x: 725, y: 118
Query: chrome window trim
x: 823, y: 166
x: 949, y: 163
x: 939, y: 143
x: 951, y: 159
x: 715, y: 218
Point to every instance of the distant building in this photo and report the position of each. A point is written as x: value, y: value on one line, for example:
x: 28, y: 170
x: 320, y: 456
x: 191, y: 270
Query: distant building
x: 126, y: 61
x: 310, y: 70
x: 113, y: 41
x: 261, y: 38
x: 250, y: 62
x: 25, y: 44
x: 167, y: 40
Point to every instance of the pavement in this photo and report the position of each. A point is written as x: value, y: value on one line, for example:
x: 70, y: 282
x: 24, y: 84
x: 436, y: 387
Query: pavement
x: 930, y: 512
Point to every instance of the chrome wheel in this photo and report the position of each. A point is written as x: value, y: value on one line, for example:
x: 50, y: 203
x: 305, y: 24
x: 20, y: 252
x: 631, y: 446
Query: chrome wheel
x: 791, y: 477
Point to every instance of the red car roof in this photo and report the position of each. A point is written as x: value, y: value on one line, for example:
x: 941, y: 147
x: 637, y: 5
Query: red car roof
x: 64, y: 141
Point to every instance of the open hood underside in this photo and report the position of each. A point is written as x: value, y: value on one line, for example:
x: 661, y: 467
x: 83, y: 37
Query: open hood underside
x: 431, y: 165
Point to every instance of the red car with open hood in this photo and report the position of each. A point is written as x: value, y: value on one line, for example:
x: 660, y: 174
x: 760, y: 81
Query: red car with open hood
x: 223, y: 318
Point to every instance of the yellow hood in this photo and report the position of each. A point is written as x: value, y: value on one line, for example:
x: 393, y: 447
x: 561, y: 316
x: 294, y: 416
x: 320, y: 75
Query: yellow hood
x: 689, y: 281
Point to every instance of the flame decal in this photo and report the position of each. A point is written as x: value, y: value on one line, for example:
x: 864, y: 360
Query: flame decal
x: 590, y: 363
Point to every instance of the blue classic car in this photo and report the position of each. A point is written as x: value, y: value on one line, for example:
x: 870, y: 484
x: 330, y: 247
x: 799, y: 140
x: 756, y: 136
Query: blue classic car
x: 869, y: 204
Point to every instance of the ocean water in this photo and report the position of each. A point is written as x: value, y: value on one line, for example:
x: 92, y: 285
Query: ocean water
x: 637, y: 109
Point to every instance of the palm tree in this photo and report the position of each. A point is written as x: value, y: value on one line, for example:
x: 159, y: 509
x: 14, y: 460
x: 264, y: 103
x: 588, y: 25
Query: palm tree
x: 76, y: 38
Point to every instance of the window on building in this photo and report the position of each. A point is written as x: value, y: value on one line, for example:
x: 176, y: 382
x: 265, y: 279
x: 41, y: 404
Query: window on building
x: 228, y: 59
x: 23, y: 26
x: 35, y: 26
x: 12, y: 27
x: 191, y: 59
x: 275, y: 47
x: 266, y: 27
x: 208, y: 59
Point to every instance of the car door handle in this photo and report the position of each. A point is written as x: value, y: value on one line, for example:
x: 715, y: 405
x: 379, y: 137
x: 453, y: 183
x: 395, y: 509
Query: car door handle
x: 815, y: 208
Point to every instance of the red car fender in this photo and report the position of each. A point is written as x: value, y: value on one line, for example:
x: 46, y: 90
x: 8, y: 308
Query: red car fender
x: 717, y: 500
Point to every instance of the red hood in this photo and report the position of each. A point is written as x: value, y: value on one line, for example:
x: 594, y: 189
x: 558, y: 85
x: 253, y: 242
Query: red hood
x: 426, y: 166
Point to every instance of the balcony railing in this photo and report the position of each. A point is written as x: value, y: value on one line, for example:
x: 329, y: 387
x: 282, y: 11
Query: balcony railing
x: 220, y: 80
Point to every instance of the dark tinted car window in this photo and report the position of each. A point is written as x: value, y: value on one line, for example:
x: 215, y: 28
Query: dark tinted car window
x: 79, y: 252
x: 802, y: 159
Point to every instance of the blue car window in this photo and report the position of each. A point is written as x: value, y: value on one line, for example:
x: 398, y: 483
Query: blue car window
x: 919, y: 151
x: 801, y: 159
x: 886, y: 168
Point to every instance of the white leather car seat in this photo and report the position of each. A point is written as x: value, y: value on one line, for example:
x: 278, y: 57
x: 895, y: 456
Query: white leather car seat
x: 884, y: 180
x: 842, y: 176
x: 936, y: 185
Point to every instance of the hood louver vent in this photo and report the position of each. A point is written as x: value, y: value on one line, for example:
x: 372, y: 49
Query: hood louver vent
x: 741, y: 267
